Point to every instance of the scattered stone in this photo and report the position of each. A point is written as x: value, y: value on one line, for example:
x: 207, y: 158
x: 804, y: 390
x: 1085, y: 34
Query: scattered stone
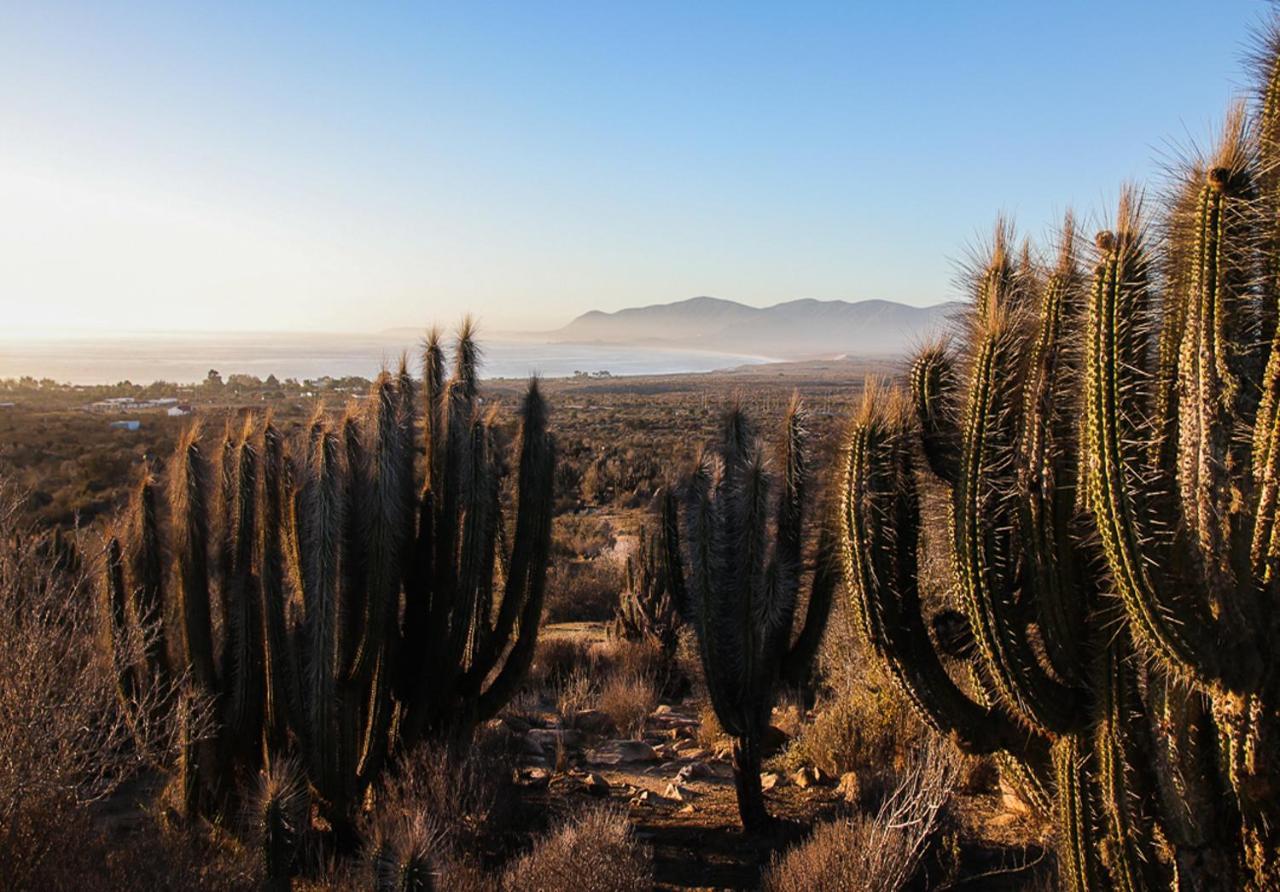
x: 678, y: 793
x: 537, y: 778
x: 684, y: 745
x: 693, y: 771
x: 530, y: 747
x: 595, y: 785
x: 618, y: 752
x: 663, y: 709
x: 648, y: 797
x: 769, y: 780
x: 802, y: 779
x: 850, y: 788
x: 687, y: 810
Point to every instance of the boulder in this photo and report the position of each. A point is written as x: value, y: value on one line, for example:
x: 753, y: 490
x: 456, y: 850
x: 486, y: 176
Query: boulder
x: 593, y: 721
x: 850, y: 787
x: 620, y: 752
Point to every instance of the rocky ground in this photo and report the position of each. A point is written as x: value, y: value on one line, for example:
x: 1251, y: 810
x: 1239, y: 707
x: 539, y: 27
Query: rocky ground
x: 678, y: 793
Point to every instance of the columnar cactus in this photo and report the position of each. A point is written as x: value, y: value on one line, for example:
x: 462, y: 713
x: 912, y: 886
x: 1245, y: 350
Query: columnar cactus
x: 334, y: 600
x: 646, y: 607
x: 1052, y: 686
x: 739, y: 578
x: 1149, y: 719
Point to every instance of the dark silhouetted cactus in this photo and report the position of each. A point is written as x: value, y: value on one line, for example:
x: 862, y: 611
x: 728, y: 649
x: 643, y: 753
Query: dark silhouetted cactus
x: 366, y: 599
x: 738, y: 576
x: 647, y: 606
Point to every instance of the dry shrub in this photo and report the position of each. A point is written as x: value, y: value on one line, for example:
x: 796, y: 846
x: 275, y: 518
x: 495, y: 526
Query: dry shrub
x: 875, y: 853
x: 595, y: 852
x: 558, y: 658
x: 640, y: 659
x: 63, y: 738
x: 581, y: 536
x: 582, y: 591
x: 628, y: 698
x: 862, y: 726
x: 465, y: 794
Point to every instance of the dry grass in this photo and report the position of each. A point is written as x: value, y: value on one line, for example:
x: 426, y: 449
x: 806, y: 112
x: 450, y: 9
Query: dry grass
x: 575, y: 694
x: 878, y: 853
x: 595, y: 852
x: 628, y: 698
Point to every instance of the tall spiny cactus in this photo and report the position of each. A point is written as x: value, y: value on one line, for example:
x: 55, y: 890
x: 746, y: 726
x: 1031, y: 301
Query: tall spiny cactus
x: 334, y: 599
x: 1051, y: 688
x: 742, y: 584
x: 1189, y: 552
x: 647, y: 609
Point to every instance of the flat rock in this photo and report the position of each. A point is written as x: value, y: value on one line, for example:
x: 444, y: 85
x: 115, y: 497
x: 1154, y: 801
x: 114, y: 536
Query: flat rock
x: 551, y: 738
x: 770, y: 779
x: 593, y: 721
x: 619, y: 752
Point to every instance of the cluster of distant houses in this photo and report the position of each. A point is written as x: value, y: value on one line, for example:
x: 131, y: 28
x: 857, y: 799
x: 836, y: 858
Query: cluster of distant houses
x: 127, y: 405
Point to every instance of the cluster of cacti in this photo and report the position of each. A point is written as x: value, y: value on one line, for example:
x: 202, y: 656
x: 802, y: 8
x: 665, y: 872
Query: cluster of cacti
x: 743, y: 544
x: 1112, y: 451
x: 334, y: 598
x: 647, y: 609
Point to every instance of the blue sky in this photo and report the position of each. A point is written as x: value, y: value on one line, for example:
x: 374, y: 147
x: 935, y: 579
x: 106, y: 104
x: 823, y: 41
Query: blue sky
x: 362, y: 166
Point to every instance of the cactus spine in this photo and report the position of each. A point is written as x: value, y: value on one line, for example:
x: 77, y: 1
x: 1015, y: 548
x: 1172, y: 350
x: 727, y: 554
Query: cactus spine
x: 742, y: 584
x: 321, y: 547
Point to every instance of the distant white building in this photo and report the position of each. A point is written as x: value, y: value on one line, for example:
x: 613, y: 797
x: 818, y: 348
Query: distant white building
x: 179, y: 410
x: 126, y: 425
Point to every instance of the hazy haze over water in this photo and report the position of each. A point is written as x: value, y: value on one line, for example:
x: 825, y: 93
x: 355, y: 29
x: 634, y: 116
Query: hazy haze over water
x: 184, y: 357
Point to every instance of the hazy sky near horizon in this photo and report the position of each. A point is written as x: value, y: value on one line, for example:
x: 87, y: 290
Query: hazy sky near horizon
x: 360, y: 166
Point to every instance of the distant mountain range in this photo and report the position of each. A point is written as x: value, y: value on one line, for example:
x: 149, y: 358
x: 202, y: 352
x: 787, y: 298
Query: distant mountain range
x: 792, y: 330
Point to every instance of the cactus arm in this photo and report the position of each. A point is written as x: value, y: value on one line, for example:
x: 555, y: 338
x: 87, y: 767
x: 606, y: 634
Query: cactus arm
x: 1047, y: 471
x: 530, y: 554
x: 879, y: 516
x: 1215, y: 378
x: 798, y: 662
x: 319, y: 523
x: 388, y: 516
x: 533, y: 521
x: 1121, y: 751
x: 242, y: 664
x: 1078, y: 843
x: 188, y: 495
x: 984, y: 551
x: 934, y: 392
x: 671, y: 555
x: 283, y: 707
x: 1125, y: 495
x: 146, y: 566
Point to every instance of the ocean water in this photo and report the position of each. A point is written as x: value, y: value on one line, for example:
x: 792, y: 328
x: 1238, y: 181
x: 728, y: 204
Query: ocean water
x: 182, y: 358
